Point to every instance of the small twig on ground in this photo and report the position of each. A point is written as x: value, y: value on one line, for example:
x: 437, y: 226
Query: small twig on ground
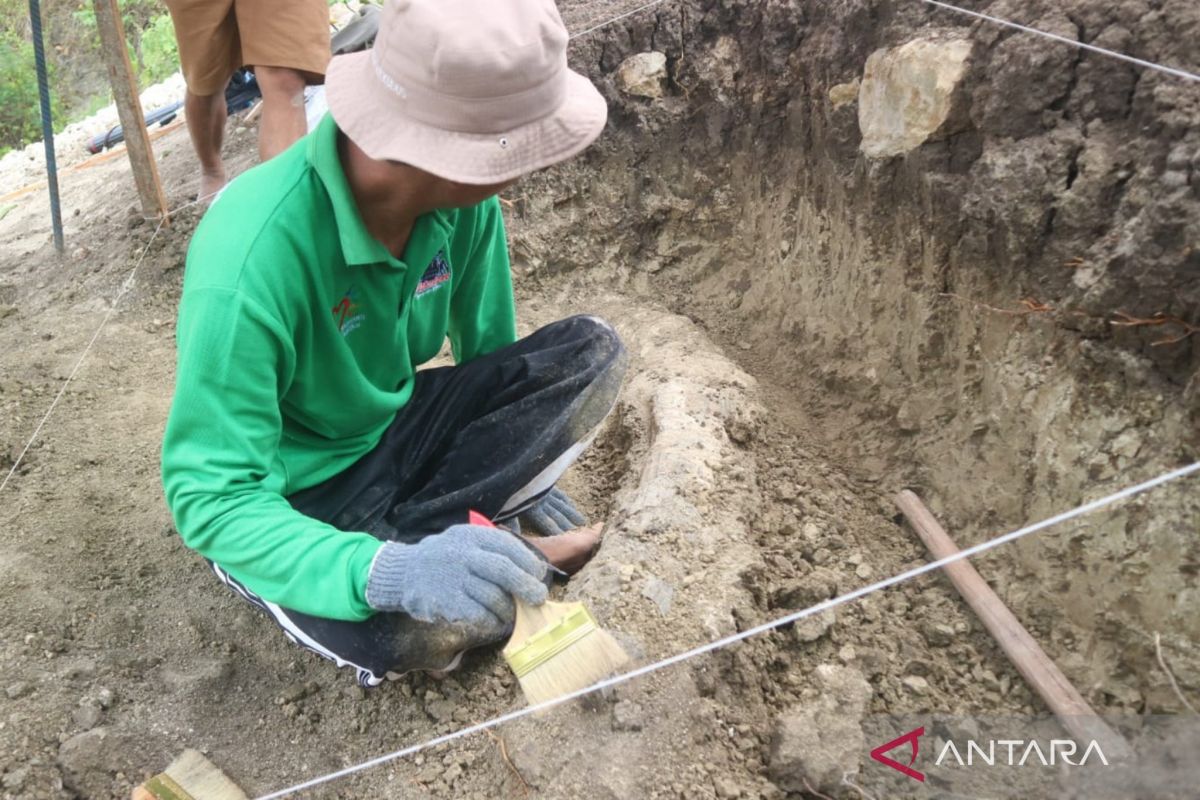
x: 808, y: 787
x: 1118, y: 319
x: 525, y: 787
x: 1128, y: 321
x: 1170, y: 675
x: 504, y: 201
x: 1035, y: 306
x: 1031, y: 306
x: 861, y: 791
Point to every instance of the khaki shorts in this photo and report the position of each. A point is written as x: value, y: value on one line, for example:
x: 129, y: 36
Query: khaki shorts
x: 217, y: 37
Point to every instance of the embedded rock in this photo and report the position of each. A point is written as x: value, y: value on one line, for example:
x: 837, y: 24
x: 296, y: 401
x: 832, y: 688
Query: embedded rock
x: 643, y: 75
x: 907, y: 95
x: 87, y: 760
x: 816, y: 743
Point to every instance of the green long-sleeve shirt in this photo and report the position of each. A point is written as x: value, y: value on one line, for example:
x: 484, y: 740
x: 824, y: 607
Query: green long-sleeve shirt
x: 298, y: 337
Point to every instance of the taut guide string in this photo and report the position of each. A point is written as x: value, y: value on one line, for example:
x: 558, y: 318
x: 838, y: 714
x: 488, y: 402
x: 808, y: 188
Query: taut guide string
x: 125, y: 286
x: 763, y: 628
x: 1179, y: 73
x: 1141, y: 62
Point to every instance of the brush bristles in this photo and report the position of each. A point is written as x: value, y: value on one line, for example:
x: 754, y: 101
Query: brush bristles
x: 593, y: 658
x: 197, y: 776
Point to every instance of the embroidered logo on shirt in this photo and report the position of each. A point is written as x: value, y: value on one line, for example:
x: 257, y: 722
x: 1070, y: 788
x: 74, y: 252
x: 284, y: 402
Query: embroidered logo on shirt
x: 345, y: 313
x: 436, y: 274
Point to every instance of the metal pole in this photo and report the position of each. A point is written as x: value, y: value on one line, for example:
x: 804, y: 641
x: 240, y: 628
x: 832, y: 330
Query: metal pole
x: 39, y: 56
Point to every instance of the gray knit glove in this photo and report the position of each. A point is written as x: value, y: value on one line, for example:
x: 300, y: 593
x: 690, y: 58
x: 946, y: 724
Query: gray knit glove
x: 552, y: 515
x: 466, y: 574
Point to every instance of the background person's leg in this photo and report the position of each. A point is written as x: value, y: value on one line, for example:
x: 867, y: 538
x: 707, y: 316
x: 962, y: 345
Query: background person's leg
x: 209, y: 52
x: 283, y: 120
x: 287, y: 42
x: 206, y: 125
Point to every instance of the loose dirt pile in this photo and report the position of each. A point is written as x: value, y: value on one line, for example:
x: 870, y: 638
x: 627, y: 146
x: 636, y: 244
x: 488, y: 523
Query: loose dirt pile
x: 811, y: 329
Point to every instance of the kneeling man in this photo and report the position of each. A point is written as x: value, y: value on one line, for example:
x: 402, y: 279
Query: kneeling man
x: 323, y: 476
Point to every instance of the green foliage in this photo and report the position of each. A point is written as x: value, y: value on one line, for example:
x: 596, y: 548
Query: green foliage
x: 20, y: 112
x: 152, y: 51
x: 94, y: 104
x: 136, y: 14
x: 149, y: 35
x: 160, y: 56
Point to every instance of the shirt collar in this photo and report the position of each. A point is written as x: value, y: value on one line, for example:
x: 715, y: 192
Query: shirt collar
x: 358, y: 245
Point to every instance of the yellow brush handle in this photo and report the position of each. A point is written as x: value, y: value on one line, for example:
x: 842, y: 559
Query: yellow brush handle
x: 531, y: 619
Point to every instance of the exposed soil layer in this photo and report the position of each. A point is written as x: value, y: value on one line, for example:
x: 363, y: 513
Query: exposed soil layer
x: 811, y: 329
x: 949, y: 318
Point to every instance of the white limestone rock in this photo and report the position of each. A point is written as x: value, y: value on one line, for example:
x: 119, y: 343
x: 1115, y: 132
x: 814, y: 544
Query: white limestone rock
x: 907, y: 94
x: 643, y: 75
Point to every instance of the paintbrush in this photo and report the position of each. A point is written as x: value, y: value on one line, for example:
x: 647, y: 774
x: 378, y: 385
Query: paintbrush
x: 189, y: 777
x: 557, y: 648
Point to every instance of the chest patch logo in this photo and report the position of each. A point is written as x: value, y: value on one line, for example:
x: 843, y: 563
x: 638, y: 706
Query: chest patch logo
x: 435, y: 276
x: 346, y: 315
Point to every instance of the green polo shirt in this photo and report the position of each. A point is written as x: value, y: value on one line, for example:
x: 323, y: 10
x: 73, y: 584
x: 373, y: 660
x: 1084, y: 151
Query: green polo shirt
x: 298, y: 337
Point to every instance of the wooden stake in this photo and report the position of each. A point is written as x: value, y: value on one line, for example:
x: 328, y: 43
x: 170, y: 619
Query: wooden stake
x: 129, y: 109
x: 1042, y: 675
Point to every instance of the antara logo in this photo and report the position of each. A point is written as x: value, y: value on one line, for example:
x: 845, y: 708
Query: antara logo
x: 911, y: 738
x: 1005, y: 752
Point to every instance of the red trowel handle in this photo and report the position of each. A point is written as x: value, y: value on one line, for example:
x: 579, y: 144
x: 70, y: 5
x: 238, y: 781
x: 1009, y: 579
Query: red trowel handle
x: 475, y: 518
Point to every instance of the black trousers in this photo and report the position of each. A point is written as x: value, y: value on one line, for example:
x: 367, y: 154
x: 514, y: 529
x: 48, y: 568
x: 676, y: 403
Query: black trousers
x: 492, y: 436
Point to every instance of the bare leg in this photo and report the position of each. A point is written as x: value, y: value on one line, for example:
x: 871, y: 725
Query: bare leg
x: 569, y: 551
x: 206, y: 125
x: 283, y: 109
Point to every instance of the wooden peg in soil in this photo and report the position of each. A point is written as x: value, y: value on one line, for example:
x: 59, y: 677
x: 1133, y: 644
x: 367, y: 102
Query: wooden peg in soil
x: 1042, y: 675
x: 129, y: 108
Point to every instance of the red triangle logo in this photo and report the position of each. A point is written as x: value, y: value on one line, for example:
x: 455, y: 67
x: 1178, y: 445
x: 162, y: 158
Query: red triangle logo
x: 911, y: 738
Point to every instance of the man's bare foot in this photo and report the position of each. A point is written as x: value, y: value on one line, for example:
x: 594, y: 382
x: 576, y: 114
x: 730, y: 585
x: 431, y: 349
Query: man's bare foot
x: 569, y: 551
x: 210, y: 184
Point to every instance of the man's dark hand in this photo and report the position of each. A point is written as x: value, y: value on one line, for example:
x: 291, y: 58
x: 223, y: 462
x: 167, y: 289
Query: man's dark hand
x: 554, y: 514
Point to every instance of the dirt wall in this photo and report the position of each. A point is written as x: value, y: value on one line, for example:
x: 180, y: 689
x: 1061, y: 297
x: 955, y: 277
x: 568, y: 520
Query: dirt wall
x: 952, y: 312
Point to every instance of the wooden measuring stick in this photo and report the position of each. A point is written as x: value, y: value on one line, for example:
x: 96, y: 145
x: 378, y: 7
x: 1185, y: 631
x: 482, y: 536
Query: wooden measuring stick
x: 129, y: 109
x: 1072, y: 711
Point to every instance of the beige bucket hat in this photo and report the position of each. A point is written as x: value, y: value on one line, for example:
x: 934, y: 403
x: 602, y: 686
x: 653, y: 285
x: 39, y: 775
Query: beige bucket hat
x: 474, y: 91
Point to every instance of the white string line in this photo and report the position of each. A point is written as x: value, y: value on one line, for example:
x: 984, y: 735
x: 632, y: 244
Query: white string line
x: 1179, y: 73
x: 607, y: 22
x: 594, y: 12
x: 1141, y: 62
x: 125, y: 286
x: 173, y: 211
x: 737, y: 637
x: 578, y: 12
